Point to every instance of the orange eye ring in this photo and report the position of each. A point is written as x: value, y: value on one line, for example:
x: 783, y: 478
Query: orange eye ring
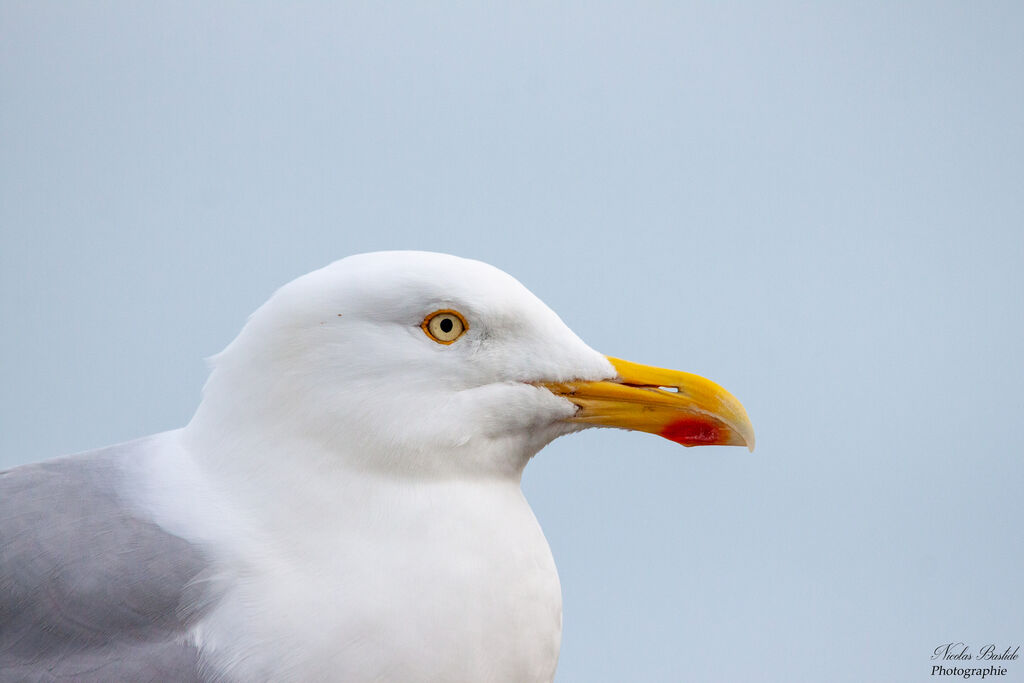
x: 444, y: 326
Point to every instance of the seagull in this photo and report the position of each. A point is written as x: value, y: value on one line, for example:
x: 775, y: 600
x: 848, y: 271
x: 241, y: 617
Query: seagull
x: 344, y: 505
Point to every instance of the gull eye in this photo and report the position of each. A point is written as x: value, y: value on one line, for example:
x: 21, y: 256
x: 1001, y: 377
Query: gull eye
x: 444, y: 327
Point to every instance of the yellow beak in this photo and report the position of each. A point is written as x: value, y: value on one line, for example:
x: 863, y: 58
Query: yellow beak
x: 681, y: 407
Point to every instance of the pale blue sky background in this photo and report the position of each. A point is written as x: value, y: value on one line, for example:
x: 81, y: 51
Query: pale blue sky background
x: 820, y: 206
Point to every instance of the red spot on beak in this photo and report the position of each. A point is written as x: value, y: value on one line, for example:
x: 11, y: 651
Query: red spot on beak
x: 692, y: 431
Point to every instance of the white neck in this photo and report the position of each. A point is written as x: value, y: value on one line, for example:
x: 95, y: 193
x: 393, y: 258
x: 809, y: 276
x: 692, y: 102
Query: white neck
x: 353, y: 570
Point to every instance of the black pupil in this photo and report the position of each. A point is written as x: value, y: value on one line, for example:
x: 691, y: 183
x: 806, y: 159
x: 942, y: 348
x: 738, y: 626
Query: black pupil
x: 447, y: 325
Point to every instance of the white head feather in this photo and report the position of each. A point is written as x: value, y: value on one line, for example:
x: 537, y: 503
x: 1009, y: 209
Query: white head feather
x: 337, y: 358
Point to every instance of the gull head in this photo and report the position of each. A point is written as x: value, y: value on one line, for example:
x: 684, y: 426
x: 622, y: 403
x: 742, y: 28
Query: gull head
x: 434, y: 365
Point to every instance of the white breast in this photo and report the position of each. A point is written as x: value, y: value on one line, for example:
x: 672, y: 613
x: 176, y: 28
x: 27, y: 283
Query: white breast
x: 400, y: 580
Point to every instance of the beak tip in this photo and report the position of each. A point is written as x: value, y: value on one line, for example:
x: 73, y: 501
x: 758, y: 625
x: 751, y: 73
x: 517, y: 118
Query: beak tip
x: 748, y: 438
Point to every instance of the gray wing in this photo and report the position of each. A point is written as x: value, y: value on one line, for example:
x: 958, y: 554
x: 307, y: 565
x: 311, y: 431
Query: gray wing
x: 89, y: 591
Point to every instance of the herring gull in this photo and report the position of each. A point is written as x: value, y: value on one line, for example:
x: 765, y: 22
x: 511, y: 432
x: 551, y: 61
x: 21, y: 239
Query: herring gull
x: 344, y: 505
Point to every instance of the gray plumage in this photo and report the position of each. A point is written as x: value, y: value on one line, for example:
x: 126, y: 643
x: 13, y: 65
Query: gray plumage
x: 89, y: 589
